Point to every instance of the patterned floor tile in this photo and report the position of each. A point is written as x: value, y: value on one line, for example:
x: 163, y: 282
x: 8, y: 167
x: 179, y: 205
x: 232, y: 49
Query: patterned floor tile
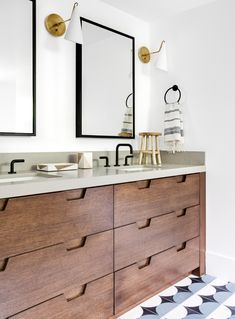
x: 194, y: 297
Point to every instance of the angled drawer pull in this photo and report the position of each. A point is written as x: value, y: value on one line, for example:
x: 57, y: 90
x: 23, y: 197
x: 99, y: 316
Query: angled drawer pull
x: 3, y: 204
x: 181, y: 213
x: 181, y: 247
x: 181, y: 179
x: 3, y: 264
x: 78, y: 196
x: 144, y: 263
x: 143, y: 223
x: 80, y: 293
x: 77, y: 243
x: 144, y: 184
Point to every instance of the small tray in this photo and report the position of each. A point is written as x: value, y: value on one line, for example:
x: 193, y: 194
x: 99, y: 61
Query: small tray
x: 55, y: 167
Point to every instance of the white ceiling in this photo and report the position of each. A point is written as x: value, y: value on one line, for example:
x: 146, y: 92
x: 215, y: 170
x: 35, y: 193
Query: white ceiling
x: 151, y: 10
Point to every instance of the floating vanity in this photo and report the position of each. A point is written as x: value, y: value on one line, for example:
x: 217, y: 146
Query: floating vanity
x: 94, y: 243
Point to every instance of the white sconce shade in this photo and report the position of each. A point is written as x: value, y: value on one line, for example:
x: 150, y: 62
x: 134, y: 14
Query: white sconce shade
x: 74, y: 30
x: 161, y: 57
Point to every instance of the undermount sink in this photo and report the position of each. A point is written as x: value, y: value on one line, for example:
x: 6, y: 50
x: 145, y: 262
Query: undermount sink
x: 136, y: 168
x: 24, y: 178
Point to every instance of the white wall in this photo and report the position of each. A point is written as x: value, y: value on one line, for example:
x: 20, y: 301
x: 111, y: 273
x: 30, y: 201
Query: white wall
x: 56, y: 81
x: 201, y: 49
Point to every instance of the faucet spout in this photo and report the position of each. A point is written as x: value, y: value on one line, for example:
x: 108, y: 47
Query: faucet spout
x: 117, y: 151
x: 12, y: 165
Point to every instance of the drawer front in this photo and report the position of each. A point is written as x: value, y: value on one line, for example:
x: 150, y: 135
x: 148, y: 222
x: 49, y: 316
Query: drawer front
x: 146, y: 199
x: 149, y: 237
x: 94, y: 302
x: 140, y: 281
x: 35, y: 222
x: 34, y: 277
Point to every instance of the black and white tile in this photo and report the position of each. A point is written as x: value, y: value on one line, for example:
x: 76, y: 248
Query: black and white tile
x: 194, y: 297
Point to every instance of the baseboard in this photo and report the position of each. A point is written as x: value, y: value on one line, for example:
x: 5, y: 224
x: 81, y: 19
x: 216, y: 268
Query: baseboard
x: 220, y: 266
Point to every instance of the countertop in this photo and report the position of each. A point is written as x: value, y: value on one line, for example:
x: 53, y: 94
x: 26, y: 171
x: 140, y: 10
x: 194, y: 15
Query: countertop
x: 83, y: 178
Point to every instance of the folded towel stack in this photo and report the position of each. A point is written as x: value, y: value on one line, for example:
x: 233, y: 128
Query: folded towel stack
x: 174, y: 130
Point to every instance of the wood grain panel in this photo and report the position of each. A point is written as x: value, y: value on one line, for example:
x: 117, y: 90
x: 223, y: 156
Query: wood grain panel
x: 34, y: 222
x: 34, y: 277
x: 96, y: 303
x: 135, y: 283
x: 160, y: 233
x: 137, y: 201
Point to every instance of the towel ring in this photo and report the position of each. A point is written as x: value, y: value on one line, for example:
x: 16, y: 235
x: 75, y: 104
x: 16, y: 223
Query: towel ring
x: 174, y: 88
x: 127, y: 99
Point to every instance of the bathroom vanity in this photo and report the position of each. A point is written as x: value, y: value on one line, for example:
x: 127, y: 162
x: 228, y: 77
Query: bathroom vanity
x: 98, y: 249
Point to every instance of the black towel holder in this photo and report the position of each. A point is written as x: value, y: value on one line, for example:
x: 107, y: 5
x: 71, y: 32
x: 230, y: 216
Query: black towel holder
x: 174, y: 88
x: 127, y: 99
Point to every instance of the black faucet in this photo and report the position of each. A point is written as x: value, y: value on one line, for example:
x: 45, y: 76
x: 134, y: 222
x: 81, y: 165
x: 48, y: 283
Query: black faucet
x: 117, y: 152
x: 12, y: 168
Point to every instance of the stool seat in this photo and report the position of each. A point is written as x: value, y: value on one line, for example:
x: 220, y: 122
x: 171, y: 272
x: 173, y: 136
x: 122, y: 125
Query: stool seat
x: 150, y: 147
x: 150, y: 134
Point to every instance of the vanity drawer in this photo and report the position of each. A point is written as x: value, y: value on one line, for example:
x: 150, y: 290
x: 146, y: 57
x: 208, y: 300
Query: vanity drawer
x: 146, y: 199
x: 34, y: 222
x: 32, y: 278
x: 149, y: 237
x: 142, y: 280
x: 95, y: 303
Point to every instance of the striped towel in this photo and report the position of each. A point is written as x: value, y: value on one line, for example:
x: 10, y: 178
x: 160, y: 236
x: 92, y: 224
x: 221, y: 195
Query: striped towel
x: 173, y: 127
x: 127, y: 127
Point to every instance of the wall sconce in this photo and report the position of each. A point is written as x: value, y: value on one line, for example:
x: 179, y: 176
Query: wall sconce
x: 145, y: 56
x: 55, y: 25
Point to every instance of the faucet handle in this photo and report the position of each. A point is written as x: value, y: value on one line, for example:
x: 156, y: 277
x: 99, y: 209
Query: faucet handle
x: 126, y: 159
x: 106, y: 160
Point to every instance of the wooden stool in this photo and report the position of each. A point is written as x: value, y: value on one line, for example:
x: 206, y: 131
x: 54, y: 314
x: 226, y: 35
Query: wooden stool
x: 150, y: 146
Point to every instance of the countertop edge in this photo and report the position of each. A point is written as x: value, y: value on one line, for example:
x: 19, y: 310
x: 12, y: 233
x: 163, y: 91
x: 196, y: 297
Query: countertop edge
x: 65, y: 183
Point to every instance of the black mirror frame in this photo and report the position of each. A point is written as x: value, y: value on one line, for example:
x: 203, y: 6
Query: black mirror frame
x: 33, y: 78
x: 79, y: 84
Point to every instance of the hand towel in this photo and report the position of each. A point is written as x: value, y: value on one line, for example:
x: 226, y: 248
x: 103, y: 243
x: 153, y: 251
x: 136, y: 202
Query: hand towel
x: 127, y: 125
x: 173, y: 127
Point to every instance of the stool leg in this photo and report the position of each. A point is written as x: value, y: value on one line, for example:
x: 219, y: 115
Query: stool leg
x: 153, y: 150
x: 147, y: 148
x: 158, y: 152
x: 141, y: 150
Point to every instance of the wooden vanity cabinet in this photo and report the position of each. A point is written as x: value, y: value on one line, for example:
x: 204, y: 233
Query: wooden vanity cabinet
x: 95, y: 253
x: 55, y: 251
x: 34, y: 222
x: 159, y: 236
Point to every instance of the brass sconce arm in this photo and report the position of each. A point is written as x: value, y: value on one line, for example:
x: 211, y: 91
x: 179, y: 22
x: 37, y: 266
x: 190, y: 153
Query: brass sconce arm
x: 159, y: 50
x: 145, y: 54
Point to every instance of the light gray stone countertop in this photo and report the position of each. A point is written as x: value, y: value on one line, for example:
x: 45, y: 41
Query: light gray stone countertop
x: 42, y: 182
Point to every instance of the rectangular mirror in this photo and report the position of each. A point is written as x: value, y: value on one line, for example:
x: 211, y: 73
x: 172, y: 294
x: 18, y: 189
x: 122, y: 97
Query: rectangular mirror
x: 17, y: 67
x: 105, y: 83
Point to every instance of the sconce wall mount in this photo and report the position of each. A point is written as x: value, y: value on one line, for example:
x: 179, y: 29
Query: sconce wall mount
x: 55, y: 25
x: 144, y: 55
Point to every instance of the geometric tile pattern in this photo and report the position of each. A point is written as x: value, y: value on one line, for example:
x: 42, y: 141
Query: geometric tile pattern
x: 194, y: 297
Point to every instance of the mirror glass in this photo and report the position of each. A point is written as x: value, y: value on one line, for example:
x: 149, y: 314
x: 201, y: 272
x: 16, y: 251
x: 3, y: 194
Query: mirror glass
x: 17, y: 61
x: 105, y: 83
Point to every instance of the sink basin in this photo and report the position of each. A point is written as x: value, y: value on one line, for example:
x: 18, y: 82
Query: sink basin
x: 24, y: 178
x: 135, y: 169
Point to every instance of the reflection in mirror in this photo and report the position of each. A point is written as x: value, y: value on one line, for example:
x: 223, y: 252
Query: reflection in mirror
x: 105, y: 89
x: 17, y: 58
